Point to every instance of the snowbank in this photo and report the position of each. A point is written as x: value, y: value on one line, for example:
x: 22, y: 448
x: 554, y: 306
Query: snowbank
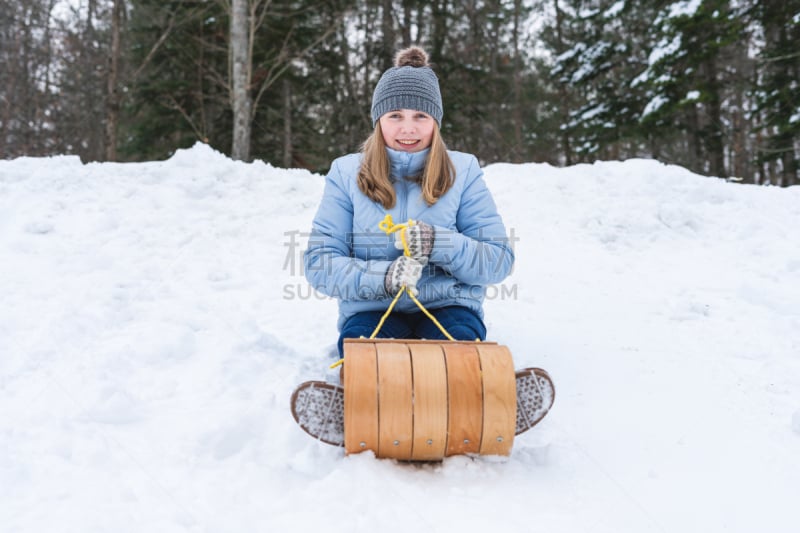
x: 155, y: 320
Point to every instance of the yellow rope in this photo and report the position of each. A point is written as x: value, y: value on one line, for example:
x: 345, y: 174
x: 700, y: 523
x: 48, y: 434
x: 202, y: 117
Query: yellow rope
x: 388, y: 226
x: 388, y: 311
x: 429, y: 315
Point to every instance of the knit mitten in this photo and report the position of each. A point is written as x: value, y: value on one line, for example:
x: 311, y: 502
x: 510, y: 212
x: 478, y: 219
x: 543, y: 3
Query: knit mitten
x: 403, y: 271
x: 419, y: 237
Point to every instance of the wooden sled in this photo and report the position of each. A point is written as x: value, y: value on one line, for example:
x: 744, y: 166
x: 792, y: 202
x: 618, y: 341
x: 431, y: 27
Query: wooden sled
x: 423, y: 400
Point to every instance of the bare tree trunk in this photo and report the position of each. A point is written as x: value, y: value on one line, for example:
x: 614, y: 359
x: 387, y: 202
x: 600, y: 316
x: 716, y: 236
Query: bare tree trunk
x: 694, y: 141
x: 516, y: 154
x: 241, y: 100
x: 11, y: 79
x: 113, y: 97
x: 788, y: 172
x: 439, y: 32
x: 287, y: 123
x: 716, y: 150
x: 368, y: 28
x: 737, y: 160
x: 41, y: 98
x: 91, y: 130
x: 28, y: 46
x: 406, y: 29
x: 388, y: 35
x: 768, y: 173
x: 562, y: 91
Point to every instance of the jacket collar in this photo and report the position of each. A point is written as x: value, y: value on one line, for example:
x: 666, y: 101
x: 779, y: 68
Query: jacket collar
x: 405, y: 164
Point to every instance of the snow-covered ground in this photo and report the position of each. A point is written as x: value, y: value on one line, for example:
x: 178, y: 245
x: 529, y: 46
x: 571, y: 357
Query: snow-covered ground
x: 154, y: 321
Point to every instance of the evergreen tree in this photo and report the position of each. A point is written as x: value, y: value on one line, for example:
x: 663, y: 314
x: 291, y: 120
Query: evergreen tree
x: 685, y: 82
x: 177, y: 93
x: 777, y: 93
x: 326, y: 94
x: 184, y: 93
x: 601, y: 48
x: 484, y: 78
x: 709, y: 84
x: 291, y: 85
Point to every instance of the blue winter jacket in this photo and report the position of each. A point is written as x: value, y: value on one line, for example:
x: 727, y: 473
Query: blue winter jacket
x: 348, y: 254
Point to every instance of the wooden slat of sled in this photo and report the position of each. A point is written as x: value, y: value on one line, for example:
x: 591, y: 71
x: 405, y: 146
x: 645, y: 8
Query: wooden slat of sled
x: 362, y: 340
x: 395, y: 407
x: 465, y: 388
x: 360, y: 398
x: 430, y: 402
x: 499, y: 400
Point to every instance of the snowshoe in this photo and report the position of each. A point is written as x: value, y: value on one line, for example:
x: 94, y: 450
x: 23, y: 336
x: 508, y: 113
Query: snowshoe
x: 318, y: 406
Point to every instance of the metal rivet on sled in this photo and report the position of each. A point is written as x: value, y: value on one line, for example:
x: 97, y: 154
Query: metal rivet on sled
x: 466, y: 441
x: 396, y: 443
x: 362, y: 444
x: 430, y: 441
x: 499, y: 439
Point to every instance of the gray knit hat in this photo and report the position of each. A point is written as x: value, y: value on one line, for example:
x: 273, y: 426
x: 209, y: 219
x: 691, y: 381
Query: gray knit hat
x: 410, y: 84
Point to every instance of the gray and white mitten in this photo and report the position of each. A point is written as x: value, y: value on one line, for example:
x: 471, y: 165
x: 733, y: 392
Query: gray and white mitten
x: 403, y: 271
x: 419, y: 237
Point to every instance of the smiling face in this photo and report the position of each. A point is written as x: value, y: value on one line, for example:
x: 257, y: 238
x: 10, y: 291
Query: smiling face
x: 407, y: 130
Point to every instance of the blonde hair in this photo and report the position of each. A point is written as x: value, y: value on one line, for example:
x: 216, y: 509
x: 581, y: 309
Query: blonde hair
x: 373, y: 175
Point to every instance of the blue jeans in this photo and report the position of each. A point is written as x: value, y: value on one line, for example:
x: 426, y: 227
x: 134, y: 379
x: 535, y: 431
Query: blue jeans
x: 462, y: 323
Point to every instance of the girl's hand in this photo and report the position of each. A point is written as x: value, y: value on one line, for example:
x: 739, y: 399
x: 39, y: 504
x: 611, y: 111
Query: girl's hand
x: 403, y: 271
x: 419, y: 237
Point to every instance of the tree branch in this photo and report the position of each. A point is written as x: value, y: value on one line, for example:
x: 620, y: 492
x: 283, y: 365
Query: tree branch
x: 155, y: 47
x: 284, y: 60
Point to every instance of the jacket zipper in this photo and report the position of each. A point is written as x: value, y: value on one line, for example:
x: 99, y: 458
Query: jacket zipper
x: 404, y: 179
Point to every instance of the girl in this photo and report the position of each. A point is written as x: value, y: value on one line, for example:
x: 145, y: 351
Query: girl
x: 458, y: 241
x: 456, y: 238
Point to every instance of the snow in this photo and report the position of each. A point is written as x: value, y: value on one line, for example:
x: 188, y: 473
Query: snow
x: 579, y: 48
x: 656, y: 103
x: 684, y: 8
x: 664, y: 49
x: 588, y: 115
x: 155, y: 321
x: 692, y: 96
x: 588, y: 60
x: 615, y: 9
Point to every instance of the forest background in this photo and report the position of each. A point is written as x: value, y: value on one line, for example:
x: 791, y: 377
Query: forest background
x: 711, y: 85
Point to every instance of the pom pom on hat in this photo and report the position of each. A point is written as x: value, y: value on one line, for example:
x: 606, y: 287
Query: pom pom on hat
x: 411, y: 84
x: 411, y: 57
